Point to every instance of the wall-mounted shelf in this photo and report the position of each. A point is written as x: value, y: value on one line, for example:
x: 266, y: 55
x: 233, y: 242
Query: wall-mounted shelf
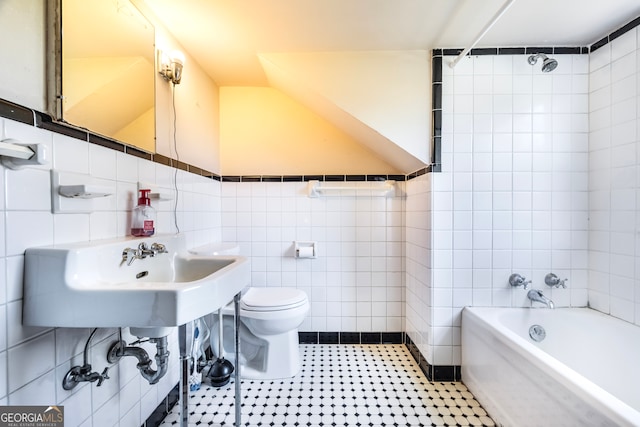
x: 373, y: 188
x: 78, y: 193
x: 85, y: 191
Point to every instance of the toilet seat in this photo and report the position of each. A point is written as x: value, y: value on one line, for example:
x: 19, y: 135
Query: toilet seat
x: 272, y: 299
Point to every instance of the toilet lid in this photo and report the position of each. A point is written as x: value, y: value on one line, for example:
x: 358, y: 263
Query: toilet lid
x: 271, y: 299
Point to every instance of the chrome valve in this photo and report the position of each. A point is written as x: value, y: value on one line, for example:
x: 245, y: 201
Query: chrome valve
x: 553, y: 281
x: 517, y: 280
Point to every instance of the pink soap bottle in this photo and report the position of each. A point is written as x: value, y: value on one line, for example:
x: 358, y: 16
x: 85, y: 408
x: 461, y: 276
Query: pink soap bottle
x: 143, y: 216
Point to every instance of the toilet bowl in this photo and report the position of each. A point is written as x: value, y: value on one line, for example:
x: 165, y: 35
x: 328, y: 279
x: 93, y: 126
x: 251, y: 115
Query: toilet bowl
x: 269, y: 321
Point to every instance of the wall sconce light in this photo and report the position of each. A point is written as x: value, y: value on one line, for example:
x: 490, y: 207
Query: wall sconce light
x: 170, y: 66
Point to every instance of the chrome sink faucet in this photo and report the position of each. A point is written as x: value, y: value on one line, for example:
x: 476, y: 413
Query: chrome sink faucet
x: 536, y: 295
x: 129, y: 255
x: 155, y: 249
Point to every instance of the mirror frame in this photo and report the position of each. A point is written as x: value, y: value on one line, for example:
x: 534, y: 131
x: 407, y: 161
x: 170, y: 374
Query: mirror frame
x: 54, y: 74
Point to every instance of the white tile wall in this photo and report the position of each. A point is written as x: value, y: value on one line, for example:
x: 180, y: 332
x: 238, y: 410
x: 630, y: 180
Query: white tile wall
x: 356, y: 283
x: 418, y: 261
x: 614, y: 138
x: 33, y: 361
x: 512, y: 196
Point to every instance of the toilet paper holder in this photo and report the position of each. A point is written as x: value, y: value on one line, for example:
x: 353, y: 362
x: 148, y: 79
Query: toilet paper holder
x: 305, y: 249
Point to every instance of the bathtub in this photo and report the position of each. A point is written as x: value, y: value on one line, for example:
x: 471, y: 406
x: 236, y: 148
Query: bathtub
x: 585, y: 372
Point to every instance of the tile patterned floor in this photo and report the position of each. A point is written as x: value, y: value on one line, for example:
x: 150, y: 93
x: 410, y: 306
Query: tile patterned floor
x: 341, y: 385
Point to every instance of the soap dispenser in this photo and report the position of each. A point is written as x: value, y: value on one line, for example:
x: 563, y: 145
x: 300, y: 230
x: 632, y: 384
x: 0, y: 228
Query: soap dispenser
x: 143, y: 216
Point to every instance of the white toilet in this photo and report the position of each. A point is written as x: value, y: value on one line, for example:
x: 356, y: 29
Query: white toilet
x: 269, y: 321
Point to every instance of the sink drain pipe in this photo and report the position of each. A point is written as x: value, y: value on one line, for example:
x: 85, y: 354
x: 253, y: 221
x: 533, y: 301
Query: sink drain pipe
x: 120, y: 349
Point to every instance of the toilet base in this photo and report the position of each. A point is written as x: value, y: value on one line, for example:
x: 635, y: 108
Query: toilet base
x: 268, y: 357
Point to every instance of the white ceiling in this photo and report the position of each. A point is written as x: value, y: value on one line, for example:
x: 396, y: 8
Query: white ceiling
x: 226, y: 36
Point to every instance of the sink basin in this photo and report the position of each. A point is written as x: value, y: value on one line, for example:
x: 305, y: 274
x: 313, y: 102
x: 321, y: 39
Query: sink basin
x: 89, y: 285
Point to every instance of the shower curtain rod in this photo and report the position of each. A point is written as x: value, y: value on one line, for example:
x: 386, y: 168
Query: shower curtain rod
x: 481, y: 34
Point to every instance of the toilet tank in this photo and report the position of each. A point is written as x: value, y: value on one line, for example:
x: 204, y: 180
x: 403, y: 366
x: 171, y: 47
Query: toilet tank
x: 217, y: 248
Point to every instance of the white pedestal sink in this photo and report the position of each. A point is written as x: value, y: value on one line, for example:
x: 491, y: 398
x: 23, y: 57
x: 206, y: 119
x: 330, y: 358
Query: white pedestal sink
x: 90, y: 284
x: 133, y: 282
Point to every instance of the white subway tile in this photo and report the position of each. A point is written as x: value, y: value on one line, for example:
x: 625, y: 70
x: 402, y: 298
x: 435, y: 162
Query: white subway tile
x: 623, y: 45
x: 70, y: 154
x: 108, y: 414
x: 28, y: 190
x: 503, y: 64
x: 28, y: 229
x: 600, y: 79
x: 38, y: 355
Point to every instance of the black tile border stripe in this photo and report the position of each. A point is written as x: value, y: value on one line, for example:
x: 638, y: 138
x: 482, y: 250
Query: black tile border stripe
x: 16, y: 112
x: 12, y: 111
x: 615, y: 34
x: 496, y: 51
x: 432, y: 372
x: 307, y: 178
x: 106, y: 142
x: 351, y: 337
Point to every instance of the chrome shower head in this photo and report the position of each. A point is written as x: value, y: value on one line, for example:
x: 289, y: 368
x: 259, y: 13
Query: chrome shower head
x: 548, y: 64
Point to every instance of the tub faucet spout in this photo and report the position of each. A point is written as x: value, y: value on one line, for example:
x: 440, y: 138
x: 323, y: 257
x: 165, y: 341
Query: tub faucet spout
x: 536, y: 295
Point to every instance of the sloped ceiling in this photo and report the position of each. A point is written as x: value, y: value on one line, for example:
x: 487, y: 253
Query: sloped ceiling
x: 266, y: 43
x: 227, y: 36
x: 377, y: 97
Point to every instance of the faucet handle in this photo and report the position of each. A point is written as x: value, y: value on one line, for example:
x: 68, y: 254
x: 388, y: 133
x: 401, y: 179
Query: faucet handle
x: 129, y: 255
x: 517, y: 280
x: 553, y: 281
x: 103, y: 376
x: 159, y: 248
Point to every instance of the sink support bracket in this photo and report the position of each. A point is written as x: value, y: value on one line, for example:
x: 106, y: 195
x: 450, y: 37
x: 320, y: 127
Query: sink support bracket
x: 236, y: 318
x: 185, y: 337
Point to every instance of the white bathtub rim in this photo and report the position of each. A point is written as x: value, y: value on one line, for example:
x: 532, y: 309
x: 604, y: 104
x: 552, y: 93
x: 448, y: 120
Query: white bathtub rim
x: 615, y: 408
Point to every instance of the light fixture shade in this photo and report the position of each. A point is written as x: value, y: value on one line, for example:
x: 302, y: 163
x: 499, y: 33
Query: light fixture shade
x: 170, y: 67
x: 176, y: 67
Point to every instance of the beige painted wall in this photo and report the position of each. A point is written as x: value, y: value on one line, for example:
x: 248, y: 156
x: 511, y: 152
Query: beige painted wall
x: 197, y: 138
x: 263, y: 131
x: 22, y: 43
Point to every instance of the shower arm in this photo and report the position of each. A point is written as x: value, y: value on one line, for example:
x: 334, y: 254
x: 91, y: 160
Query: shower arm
x: 481, y: 34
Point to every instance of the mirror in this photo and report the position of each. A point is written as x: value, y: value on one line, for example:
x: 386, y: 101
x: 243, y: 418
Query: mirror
x: 105, y: 77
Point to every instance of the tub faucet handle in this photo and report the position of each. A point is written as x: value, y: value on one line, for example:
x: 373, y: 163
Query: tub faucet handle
x: 553, y: 281
x: 517, y: 280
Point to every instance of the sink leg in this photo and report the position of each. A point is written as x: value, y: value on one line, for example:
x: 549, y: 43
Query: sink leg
x: 185, y: 335
x: 236, y: 318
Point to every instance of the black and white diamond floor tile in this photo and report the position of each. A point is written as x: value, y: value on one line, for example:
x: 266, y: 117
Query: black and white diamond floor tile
x: 341, y: 385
